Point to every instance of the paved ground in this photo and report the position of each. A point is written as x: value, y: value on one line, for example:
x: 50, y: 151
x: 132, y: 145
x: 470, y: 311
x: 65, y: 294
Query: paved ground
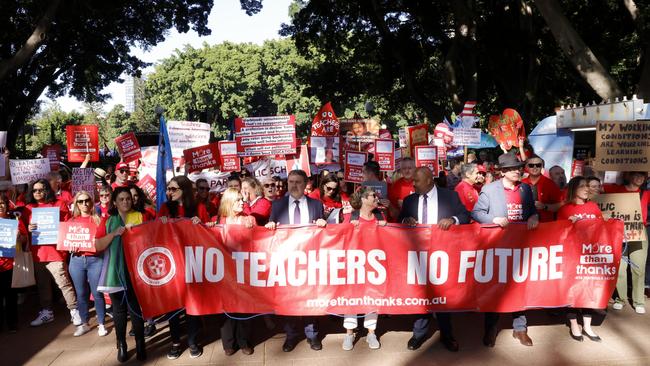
x: 626, y: 341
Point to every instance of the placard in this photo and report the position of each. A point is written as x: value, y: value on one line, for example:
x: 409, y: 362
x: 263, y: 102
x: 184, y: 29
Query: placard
x: 385, y: 154
x: 359, y: 130
x: 185, y: 135
x: 299, y: 161
x: 263, y: 136
x: 8, y: 234
x: 82, y: 140
x: 217, y: 181
x: 3, y: 139
x: 83, y: 179
x: 128, y: 147
x: 53, y: 154
x: 466, y: 136
x: 354, y: 166
x: 76, y: 236
x: 622, y: 146
x: 324, y: 150
x: 202, y: 157
x: 626, y: 207
x: 148, y: 186
x: 47, y: 221
x: 268, y: 167
x: 28, y: 170
x: 427, y: 156
x: 228, y: 159
x: 325, y: 122
x: 381, y: 188
x: 416, y: 136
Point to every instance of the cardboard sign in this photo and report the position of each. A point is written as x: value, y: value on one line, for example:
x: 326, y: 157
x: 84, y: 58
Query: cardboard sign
x: 260, y: 136
x: 427, y: 156
x: 381, y: 188
x: 623, y: 146
x: 83, y: 179
x: 325, y: 122
x: 228, y: 159
x: 299, y: 161
x: 8, y: 234
x: 53, y: 154
x: 324, y: 150
x: 148, y: 185
x: 626, y: 207
x: 47, y: 221
x: 28, y: 170
x: 202, y: 157
x: 76, y: 236
x: 359, y: 130
x: 217, y: 181
x: 416, y: 136
x: 354, y: 166
x: 185, y: 135
x: 82, y: 140
x: 467, y: 136
x: 385, y: 154
x: 128, y: 147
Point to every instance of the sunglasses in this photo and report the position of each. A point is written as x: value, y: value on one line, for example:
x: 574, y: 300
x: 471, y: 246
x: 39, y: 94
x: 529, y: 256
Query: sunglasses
x: 38, y: 190
x: 123, y: 171
x: 328, y: 188
x: 172, y: 189
x: 269, y: 185
x: 83, y: 202
x: 539, y: 165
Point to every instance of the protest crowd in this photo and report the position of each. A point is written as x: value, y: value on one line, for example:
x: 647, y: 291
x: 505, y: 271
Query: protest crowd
x: 99, y: 202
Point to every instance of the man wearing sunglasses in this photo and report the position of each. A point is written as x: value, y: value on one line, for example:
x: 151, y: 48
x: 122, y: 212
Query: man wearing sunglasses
x: 121, y: 175
x: 546, y: 193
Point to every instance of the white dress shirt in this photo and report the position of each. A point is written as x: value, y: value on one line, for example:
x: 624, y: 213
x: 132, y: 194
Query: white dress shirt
x: 304, y: 210
x: 432, y: 207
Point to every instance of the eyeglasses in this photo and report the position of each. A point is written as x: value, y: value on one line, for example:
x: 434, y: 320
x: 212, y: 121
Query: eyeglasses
x: 38, y: 190
x: 172, y: 189
x: 83, y: 202
x: 329, y: 188
x: 203, y: 188
x: 539, y: 165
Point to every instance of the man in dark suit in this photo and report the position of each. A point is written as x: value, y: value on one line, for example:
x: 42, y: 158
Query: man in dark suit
x: 502, y: 202
x: 439, y: 206
x: 296, y: 209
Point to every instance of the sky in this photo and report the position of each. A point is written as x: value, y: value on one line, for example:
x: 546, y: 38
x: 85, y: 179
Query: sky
x: 227, y: 21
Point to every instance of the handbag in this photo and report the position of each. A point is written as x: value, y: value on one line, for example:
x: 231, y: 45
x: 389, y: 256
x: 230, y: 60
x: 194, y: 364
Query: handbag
x: 23, y: 273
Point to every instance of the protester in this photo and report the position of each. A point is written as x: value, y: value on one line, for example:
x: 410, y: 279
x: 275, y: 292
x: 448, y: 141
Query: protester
x: 502, y: 202
x: 481, y: 178
x: 203, y: 196
x: 49, y: 263
x: 365, y: 203
x: 558, y: 176
x: 296, y: 208
x: 105, y: 203
x: 255, y: 204
x: 329, y: 193
x: 546, y: 193
x: 466, y: 191
x: 280, y: 187
x: 432, y: 205
x: 403, y: 186
x: 453, y: 177
x: 595, y: 188
x: 234, y: 181
x: 142, y: 203
x: 85, y: 268
x: 181, y: 203
x: 121, y: 175
x: 56, y: 180
x: 9, y: 295
x: 269, y: 188
x: 115, y: 279
x: 578, y: 207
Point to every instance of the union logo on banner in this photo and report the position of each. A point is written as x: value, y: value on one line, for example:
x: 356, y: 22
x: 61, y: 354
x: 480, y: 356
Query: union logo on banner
x: 156, y: 266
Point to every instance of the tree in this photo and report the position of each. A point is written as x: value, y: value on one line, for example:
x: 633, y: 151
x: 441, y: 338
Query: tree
x: 50, y: 120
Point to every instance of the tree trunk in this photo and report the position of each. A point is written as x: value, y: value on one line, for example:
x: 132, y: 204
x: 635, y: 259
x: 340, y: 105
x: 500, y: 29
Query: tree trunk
x: 580, y: 55
x: 643, y: 87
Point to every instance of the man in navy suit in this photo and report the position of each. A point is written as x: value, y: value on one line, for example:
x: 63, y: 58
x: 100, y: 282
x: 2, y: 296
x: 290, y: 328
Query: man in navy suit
x: 502, y: 202
x: 296, y: 209
x: 442, y: 207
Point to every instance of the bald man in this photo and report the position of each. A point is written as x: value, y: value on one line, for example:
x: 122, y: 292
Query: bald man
x: 434, y: 206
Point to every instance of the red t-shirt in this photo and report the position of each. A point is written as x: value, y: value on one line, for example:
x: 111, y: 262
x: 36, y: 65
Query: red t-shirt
x: 102, y: 211
x: 329, y: 204
x: 547, y: 193
x: 514, y: 204
x: 48, y: 253
x: 467, y: 193
x: 65, y: 196
x: 589, y: 210
x: 115, y: 184
x: 260, y: 210
x: 201, y: 212
x: 645, y: 197
x: 399, y: 190
x: 7, y: 263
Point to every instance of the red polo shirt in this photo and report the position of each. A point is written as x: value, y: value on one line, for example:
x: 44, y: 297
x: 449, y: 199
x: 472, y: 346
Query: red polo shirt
x: 547, y: 193
x: 467, y: 193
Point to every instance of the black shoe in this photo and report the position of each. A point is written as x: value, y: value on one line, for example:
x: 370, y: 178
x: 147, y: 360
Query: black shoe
x: 450, y: 343
x: 195, y: 351
x: 578, y: 338
x: 132, y: 333
x: 315, y: 344
x: 149, y: 330
x: 122, y: 352
x: 415, y: 343
x: 247, y: 350
x: 175, y: 352
x: 595, y: 338
x: 140, y: 350
x: 490, y: 337
x: 288, y: 345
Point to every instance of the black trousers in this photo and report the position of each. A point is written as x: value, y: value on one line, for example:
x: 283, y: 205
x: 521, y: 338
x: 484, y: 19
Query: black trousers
x: 491, y: 319
x: 193, y: 327
x: 236, y: 333
x: 572, y: 313
x: 8, y: 312
x: 421, y: 325
x: 123, y: 302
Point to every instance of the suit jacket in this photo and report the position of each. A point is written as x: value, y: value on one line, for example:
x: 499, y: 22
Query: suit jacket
x: 492, y: 202
x: 280, y: 210
x: 448, y: 205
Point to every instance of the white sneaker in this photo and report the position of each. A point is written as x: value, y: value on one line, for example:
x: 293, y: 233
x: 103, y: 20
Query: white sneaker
x: 348, y: 342
x: 101, y: 330
x: 81, y: 330
x: 372, y: 340
x: 44, y: 316
x: 618, y: 306
x: 75, y: 318
x: 639, y: 309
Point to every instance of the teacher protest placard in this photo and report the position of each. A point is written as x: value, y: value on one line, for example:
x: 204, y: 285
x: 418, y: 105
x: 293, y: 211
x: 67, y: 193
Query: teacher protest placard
x: 28, y: 170
x: 228, y: 159
x: 202, y: 157
x: 185, y: 135
x: 53, y: 154
x: 47, y: 225
x: 82, y: 140
x: 8, y: 232
x: 325, y: 122
x: 427, y: 156
x: 263, y: 136
x: 76, y: 237
x: 415, y: 136
x: 622, y: 146
x: 128, y: 147
x: 83, y: 179
x: 217, y: 181
x: 354, y: 166
x: 324, y: 149
x: 626, y: 207
x: 466, y: 136
x: 385, y: 154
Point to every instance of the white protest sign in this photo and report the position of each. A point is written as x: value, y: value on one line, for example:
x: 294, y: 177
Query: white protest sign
x: 268, y: 168
x: 185, y: 135
x: 28, y: 170
x: 217, y: 181
x: 3, y: 139
x: 467, y: 136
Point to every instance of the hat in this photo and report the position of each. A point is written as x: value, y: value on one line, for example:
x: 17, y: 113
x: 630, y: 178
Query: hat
x: 100, y: 173
x: 122, y: 165
x: 481, y: 168
x: 509, y: 161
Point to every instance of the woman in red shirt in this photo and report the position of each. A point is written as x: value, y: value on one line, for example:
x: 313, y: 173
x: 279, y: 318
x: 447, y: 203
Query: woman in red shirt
x: 578, y: 207
x: 255, y: 204
x: 330, y: 194
x: 49, y: 263
x: 8, y: 295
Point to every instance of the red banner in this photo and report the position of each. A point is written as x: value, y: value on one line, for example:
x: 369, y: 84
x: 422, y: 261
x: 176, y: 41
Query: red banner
x: 354, y: 166
x: 82, y: 140
x: 79, y: 236
x: 128, y: 147
x: 202, y: 157
x: 392, y: 269
x: 325, y: 122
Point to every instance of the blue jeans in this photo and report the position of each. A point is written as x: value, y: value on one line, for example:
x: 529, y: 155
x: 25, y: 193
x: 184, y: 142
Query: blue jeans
x: 85, y: 270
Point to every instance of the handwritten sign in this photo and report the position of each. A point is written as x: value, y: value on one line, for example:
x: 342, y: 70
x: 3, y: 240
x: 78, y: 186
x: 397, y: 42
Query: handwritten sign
x: 83, y: 179
x: 82, y: 140
x: 263, y: 136
x: 623, y: 146
x: 8, y: 233
x: 128, y: 147
x: 28, y: 170
x: 354, y: 166
x: 202, y: 157
x: 47, y: 225
x: 626, y: 207
x: 76, y: 236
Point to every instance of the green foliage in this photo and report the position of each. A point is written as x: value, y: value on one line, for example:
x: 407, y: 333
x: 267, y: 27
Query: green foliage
x: 38, y: 130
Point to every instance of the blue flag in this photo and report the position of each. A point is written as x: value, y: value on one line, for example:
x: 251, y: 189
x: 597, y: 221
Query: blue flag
x: 164, y: 162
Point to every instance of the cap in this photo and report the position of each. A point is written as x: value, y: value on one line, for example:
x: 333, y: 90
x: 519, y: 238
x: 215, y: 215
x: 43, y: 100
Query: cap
x: 122, y: 165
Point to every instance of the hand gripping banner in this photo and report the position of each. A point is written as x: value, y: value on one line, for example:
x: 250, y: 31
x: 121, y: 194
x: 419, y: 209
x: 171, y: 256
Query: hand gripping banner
x: 393, y: 269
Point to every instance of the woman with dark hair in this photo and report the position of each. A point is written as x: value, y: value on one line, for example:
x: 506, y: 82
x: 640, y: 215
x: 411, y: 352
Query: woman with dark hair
x: 254, y: 202
x: 49, y: 263
x: 595, y: 187
x: 142, y: 203
x: 578, y: 207
x: 115, y: 279
x: 329, y: 193
x: 181, y: 203
x: 8, y: 295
